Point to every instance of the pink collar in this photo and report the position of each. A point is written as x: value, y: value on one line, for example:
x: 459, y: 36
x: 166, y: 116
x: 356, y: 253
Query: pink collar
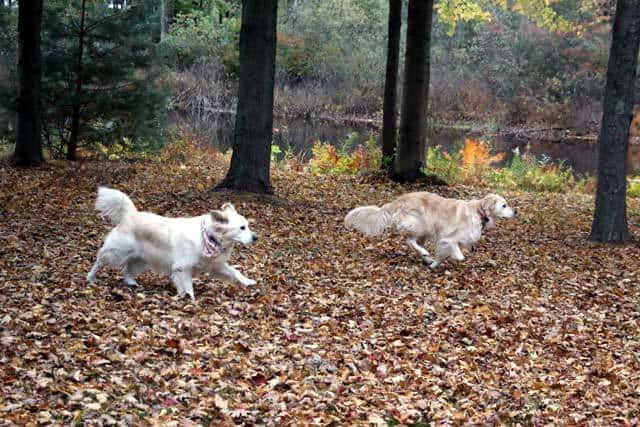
x: 211, y: 247
x: 484, y: 218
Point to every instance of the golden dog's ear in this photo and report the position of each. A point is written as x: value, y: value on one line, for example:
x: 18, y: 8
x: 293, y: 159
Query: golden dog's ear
x: 489, y: 202
x: 229, y: 207
x: 219, y: 216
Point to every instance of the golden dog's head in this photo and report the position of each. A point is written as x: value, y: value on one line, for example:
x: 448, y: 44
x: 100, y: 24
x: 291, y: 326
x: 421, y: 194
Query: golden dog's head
x: 496, y: 206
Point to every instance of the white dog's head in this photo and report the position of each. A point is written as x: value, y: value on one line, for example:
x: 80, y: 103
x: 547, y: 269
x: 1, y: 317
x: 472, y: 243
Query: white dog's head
x: 230, y: 226
x: 496, y: 207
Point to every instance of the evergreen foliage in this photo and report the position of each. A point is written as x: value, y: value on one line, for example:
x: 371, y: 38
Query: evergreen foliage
x: 106, y: 65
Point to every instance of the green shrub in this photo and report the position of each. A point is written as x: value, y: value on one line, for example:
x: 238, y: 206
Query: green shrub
x: 529, y: 174
x: 444, y: 165
x: 524, y: 173
x: 633, y: 189
x: 349, y: 158
x: 197, y: 36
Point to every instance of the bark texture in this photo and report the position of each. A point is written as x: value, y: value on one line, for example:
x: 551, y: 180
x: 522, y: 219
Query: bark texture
x: 28, y: 151
x: 610, y: 218
x: 409, y: 158
x: 250, y: 162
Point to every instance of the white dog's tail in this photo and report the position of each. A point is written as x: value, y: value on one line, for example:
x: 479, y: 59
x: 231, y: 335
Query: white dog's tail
x: 370, y: 220
x: 113, y: 204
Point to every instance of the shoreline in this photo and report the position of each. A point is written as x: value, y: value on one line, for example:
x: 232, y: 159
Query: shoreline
x: 543, y: 133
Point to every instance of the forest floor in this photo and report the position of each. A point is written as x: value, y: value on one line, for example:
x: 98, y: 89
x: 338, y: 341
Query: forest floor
x: 538, y: 325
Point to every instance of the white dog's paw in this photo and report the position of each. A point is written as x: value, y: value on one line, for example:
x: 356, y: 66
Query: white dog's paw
x: 129, y: 281
x: 427, y: 259
x: 434, y: 265
x: 249, y: 282
x: 91, y: 278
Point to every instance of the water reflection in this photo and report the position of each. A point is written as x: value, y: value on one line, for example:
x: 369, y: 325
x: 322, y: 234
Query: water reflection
x: 299, y: 136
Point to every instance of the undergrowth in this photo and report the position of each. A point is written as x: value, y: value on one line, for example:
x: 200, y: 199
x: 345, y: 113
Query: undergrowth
x: 348, y: 158
x: 472, y: 165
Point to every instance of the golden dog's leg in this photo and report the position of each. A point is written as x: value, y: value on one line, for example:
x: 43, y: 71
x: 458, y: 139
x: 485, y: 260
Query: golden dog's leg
x: 424, y: 254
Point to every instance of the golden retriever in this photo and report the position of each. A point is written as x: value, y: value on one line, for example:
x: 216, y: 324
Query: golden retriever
x: 423, y: 216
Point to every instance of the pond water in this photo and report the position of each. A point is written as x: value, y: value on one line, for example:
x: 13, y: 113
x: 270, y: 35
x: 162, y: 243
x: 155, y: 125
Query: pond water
x: 299, y: 136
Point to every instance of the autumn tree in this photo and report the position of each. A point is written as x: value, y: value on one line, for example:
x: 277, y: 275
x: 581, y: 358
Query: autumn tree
x: 409, y: 158
x: 250, y: 161
x: 390, y: 116
x: 610, y: 218
x: 28, y: 151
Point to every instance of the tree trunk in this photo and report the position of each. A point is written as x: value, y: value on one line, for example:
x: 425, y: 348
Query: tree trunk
x: 28, y: 151
x: 409, y: 158
x: 610, y: 218
x: 250, y: 162
x: 75, y: 116
x: 390, y: 116
x: 163, y: 19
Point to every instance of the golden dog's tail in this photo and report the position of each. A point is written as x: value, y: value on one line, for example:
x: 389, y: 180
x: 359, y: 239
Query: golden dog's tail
x: 370, y: 220
x: 113, y: 204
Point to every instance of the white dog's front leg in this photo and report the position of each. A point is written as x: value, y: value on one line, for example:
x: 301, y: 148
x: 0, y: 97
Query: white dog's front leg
x: 456, y: 252
x: 426, y: 257
x: 234, y: 274
x: 182, y: 280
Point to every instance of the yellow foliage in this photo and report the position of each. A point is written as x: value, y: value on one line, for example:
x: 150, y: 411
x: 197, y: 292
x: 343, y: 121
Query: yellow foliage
x: 476, y: 157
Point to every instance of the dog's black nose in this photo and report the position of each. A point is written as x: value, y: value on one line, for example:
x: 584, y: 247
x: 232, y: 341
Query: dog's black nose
x: 255, y: 238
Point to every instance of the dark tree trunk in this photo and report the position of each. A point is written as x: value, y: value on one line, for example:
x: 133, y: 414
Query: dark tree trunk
x: 610, y: 219
x: 75, y: 115
x: 28, y: 150
x: 390, y: 116
x: 250, y: 162
x: 409, y: 158
x: 171, y: 12
x: 163, y: 19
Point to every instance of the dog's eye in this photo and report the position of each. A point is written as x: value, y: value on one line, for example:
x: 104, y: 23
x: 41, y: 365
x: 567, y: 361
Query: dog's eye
x: 244, y: 227
x: 504, y: 206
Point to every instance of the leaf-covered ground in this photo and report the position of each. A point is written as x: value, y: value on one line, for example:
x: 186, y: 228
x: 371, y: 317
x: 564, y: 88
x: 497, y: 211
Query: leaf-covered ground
x: 537, y: 325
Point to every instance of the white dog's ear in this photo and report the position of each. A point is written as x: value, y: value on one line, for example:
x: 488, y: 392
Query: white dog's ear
x: 229, y: 208
x: 219, y: 216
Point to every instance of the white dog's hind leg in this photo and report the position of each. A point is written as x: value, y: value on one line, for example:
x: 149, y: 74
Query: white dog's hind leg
x: 91, y: 277
x: 132, y: 268
x: 181, y: 278
x: 105, y: 256
x: 426, y: 257
x: 234, y: 274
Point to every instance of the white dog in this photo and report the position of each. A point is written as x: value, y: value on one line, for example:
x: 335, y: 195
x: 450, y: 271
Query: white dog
x: 447, y: 223
x: 179, y: 247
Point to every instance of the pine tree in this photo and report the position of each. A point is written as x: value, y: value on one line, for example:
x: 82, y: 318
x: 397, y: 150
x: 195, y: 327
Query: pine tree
x: 98, y: 81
